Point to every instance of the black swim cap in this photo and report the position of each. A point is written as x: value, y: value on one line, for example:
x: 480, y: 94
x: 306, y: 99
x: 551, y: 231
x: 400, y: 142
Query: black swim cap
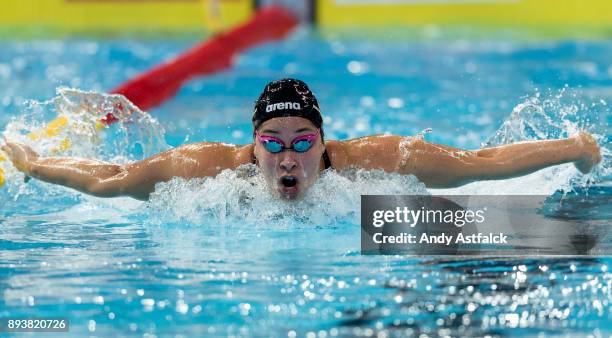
x: 285, y: 98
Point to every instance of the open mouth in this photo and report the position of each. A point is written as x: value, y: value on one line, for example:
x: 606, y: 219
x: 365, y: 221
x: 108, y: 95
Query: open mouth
x: 289, y: 181
x: 289, y: 185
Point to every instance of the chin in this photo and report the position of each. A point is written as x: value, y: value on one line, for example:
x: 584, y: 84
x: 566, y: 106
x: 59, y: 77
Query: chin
x: 290, y: 197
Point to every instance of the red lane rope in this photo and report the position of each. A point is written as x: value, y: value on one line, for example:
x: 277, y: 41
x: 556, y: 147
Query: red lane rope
x: 160, y: 83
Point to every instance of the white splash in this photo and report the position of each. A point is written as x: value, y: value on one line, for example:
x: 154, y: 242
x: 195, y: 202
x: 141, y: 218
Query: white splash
x: 235, y: 196
x: 241, y: 195
x: 559, y: 115
x: 135, y: 136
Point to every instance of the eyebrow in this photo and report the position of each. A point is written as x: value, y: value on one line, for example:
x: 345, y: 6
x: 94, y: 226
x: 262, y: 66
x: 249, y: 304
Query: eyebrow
x: 303, y: 129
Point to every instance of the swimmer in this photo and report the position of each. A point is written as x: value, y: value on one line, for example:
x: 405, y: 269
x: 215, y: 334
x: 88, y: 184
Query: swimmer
x: 290, y: 149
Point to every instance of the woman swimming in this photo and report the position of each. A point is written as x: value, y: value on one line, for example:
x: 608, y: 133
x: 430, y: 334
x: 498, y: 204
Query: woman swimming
x: 289, y: 148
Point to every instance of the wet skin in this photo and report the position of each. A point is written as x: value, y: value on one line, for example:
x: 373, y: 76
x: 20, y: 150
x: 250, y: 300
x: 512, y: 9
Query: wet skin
x: 436, y: 165
x: 304, y: 166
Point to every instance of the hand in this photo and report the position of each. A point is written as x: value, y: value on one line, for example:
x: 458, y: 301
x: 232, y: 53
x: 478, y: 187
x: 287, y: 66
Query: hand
x: 590, y: 154
x: 22, y: 156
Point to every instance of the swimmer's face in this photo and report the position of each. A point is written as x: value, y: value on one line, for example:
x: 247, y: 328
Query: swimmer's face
x: 277, y: 168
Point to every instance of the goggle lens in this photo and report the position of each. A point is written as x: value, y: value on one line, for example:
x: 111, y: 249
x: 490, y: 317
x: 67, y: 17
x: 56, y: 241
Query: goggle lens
x: 302, y: 146
x: 273, y: 146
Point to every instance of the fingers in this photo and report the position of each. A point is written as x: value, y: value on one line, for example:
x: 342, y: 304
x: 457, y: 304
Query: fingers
x: 590, y: 151
x: 11, y: 147
x: 5, y: 148
x: 12, y: 150
x: 19, y: 151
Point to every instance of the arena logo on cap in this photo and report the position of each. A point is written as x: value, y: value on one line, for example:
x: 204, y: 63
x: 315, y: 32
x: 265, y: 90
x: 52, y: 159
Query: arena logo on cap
x: 283, y: 105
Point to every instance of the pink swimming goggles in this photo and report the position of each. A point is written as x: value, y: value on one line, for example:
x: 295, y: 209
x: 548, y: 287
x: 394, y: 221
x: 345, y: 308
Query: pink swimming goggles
x: 300, y: 144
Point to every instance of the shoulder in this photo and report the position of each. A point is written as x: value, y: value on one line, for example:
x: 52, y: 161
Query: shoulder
x: 337, y: 152
x: 197, y: 147
x: 368, y: 152
x: 243, y: 154
x: 215, y: 154
x: 356, y: 146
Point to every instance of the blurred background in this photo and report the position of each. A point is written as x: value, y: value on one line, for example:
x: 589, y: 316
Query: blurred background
x: 219, y: 257
x: 408, y: 61
x: 120, y: 17
x: 459, y: 68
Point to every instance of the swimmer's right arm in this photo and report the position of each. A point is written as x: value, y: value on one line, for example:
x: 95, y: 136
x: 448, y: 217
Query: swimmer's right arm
x: 136, y: 179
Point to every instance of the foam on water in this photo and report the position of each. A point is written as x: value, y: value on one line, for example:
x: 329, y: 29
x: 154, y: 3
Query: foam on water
x: 233, y: 196
x: 241, y: 196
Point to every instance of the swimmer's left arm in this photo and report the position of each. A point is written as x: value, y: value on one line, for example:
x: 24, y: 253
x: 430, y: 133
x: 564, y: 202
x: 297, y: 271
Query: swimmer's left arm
x: 440, y: 166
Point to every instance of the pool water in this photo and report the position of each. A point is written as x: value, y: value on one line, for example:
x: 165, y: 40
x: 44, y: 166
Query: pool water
x: 221, y: 257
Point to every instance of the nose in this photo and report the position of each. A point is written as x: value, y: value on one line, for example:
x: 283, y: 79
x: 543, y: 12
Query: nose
x: 288, y: 162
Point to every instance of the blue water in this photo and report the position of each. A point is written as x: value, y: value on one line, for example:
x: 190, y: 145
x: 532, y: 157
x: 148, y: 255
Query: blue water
x: 197, y: 260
